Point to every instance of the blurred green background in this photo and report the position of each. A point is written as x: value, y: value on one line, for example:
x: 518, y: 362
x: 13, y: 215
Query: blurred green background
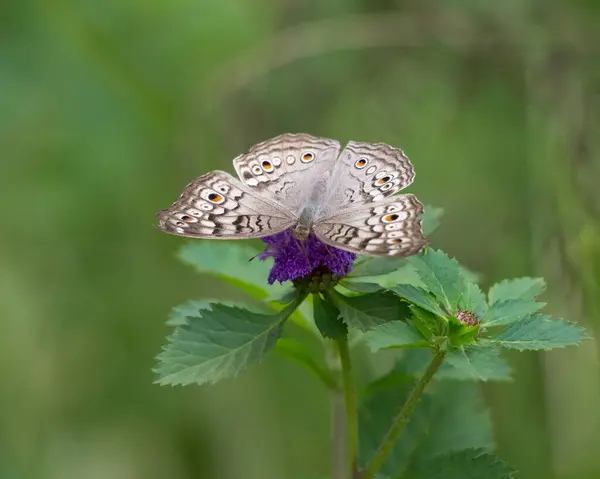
x: 107, y: 109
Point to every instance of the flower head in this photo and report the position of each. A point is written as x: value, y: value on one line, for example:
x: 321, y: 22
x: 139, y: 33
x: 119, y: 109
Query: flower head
x: 467, y: 318
x: 293, y: 259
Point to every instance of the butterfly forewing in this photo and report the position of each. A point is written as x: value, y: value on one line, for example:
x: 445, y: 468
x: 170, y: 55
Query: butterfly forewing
x: 217, y: 205
x: 367, y: 172
x: 390, y: 227
x: 285, y: 168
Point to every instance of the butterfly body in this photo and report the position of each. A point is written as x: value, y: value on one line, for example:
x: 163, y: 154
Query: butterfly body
x: 303, y: 182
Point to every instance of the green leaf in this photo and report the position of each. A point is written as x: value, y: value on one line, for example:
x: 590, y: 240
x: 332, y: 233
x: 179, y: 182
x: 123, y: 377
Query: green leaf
x: 327, y: 319
x: 509, y: 311
x: 282, y: 296
x: 360, y: 287
x: 375, y: 266
x: 194, y: 307
x: 299, y: 352
x: 405, y: 274
x: 540, y: 332
x: 231, y: 262
x: 369, y: 310
x: 426, y: 322
x: 397, y: 334
x: 519, y: 288
x: 450, y: 417
x: 420, y: 297
x: 480, y: 362
x: 441, y: 275
x: 473, y: 300
x: 460, y: 333
x: 219, y: 344
x: 468, y: 464
x: 430, y: 219
x: 475, y: 362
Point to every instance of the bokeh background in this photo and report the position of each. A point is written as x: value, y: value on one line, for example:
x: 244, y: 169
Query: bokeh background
x: 107, y: 109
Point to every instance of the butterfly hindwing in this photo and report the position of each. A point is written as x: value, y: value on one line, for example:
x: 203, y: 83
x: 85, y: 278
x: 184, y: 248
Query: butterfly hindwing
x: 217, y: 205
x: 285, y: 168
x: 390, y: 227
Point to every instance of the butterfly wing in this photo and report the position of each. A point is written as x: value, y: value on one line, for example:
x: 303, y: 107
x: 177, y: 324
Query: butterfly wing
x: 285, y: 168
x: 219, y: 206
x: 390, y: 227
x: 367, y: 172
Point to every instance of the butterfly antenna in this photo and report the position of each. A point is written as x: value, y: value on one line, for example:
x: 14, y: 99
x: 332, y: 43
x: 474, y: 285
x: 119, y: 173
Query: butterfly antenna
x: 253, y: 257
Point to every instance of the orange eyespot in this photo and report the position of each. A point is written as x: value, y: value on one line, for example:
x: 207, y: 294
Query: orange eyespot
x: 267, y: 166
x: 390, y: 218
x: 361, y: 163
x: 308, y: 157
x: 383, y: 181
x: 396, y: 240
x: 187, y: 218
x: 215, y: 198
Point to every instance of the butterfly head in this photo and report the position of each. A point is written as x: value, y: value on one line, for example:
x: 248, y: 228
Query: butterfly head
x: 301, y: 232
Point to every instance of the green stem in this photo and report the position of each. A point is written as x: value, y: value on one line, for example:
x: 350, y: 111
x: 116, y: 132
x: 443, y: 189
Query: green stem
x: 339, y: 435
x: 351, y: 412
x: 403, y: 417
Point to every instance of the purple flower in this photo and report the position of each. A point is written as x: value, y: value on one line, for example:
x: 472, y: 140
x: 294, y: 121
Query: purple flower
x: 293, y: 259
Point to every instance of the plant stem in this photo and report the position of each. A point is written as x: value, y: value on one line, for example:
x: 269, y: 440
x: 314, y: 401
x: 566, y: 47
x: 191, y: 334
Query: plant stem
x: 351, y: 412
x: 339, y: 435
x: 403, y: 417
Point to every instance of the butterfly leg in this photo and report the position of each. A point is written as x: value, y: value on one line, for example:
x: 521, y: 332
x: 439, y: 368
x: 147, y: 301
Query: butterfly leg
x: 301, y: 245
x: 327, y: 249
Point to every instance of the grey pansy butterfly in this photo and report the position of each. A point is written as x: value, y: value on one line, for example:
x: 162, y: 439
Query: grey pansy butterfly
x: 300, y: 181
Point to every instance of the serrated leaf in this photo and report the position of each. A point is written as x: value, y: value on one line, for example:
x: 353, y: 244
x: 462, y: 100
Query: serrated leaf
x: 405, y: 274
x: 540, y: 332
x: 475, y: 362
x: 420, y: 297
x: 375, y: 266
x: 450, y: 417
x: 430, y: 219
x: 468, y: 464
x: 397, y: 334
x: 219, y: 344
x: 230, y: 262
x: 426, y: 322
x: 369, y: 310
x: 519, y: 288
x: 327, y: 319
x: 299, y: 352
x: 473, y: 299
x: 194, y: 307
x: 482, y: 363
x: 509, y: 311
x: 441, y: 275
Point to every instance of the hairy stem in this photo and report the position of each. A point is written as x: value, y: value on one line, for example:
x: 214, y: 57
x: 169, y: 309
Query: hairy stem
x: 403, y: 417
x: 350, y: 406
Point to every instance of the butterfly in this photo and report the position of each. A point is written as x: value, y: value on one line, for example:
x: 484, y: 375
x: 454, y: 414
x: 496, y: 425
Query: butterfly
x: 347, y: 200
